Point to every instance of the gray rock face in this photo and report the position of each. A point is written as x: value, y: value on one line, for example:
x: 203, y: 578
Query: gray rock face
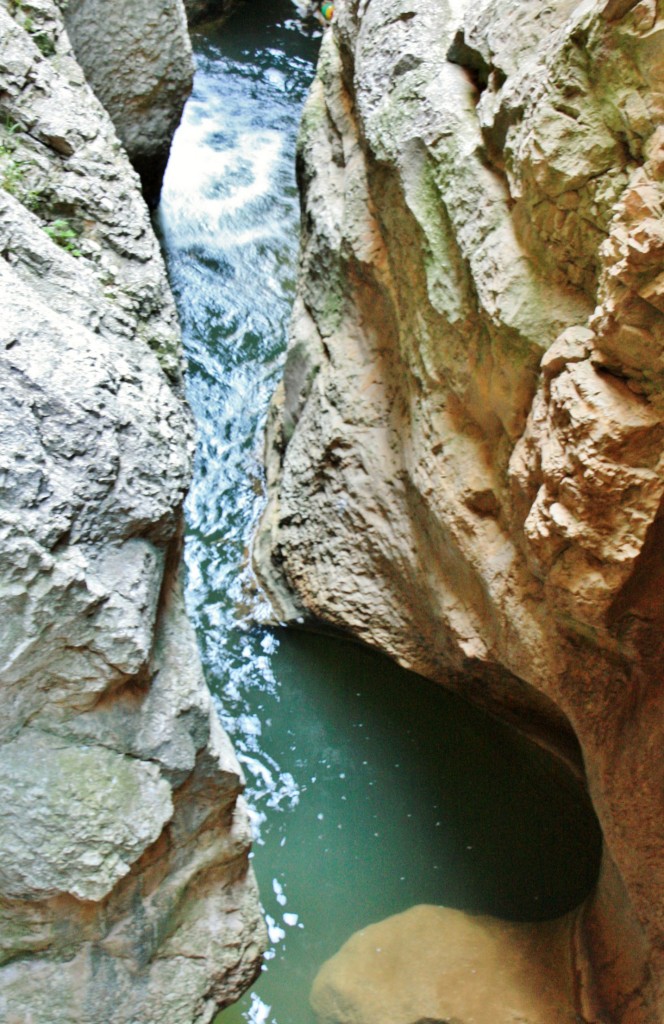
x: 114, y: 806
x: 465, y: 456
x: 137, y: 58
x: 125, y: 888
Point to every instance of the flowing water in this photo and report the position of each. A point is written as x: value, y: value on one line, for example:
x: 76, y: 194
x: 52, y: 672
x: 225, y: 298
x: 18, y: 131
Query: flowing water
x: 372, y: 790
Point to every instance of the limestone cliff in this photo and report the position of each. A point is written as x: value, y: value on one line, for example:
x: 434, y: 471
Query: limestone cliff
x: 125, y: 889
x: 465, y: 455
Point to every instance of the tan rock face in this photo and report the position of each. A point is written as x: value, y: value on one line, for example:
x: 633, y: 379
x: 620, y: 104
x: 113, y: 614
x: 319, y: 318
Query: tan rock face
x: 125, y: 888
x: 465, y: 456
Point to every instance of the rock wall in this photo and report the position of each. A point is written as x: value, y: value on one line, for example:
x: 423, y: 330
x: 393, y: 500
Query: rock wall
x: 465, y: 456
x: 125, y: 888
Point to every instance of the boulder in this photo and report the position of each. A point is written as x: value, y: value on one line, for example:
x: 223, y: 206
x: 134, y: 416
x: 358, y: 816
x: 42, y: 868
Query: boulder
x: 137, y: 58
x: 435, y: 965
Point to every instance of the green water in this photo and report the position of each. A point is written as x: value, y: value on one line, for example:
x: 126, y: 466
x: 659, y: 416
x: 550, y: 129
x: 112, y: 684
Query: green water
x: 372, y: 790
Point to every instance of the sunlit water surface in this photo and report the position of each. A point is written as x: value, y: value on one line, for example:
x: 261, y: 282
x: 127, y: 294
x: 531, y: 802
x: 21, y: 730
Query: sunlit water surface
x: 372, y: 790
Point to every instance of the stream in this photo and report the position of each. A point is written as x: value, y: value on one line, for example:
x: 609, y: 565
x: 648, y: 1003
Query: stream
x: 371, y: 789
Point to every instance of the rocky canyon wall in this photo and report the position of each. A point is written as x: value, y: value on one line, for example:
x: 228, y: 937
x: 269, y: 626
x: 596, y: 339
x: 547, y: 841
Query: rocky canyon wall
x: 125, y: 888
x: 465, y: 456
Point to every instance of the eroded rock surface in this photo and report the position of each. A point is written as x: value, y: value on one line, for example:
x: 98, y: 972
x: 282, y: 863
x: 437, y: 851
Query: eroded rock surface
x: 465, y: 455
x: 125, y: 889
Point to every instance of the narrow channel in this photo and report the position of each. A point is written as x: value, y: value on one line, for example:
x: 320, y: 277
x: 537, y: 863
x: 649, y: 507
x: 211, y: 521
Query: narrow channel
x: 372, y: 790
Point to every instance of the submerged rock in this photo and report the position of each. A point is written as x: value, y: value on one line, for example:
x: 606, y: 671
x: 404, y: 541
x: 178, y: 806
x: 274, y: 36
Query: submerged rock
x: 435, y: 965
x: 125, y: 887
x: 465, y: 455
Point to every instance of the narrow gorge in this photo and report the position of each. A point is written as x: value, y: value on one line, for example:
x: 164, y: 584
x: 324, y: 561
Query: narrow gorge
x: 450, y: 769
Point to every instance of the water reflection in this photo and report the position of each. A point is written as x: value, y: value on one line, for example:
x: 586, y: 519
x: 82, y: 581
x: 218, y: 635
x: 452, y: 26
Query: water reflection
x: 370, y: 790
